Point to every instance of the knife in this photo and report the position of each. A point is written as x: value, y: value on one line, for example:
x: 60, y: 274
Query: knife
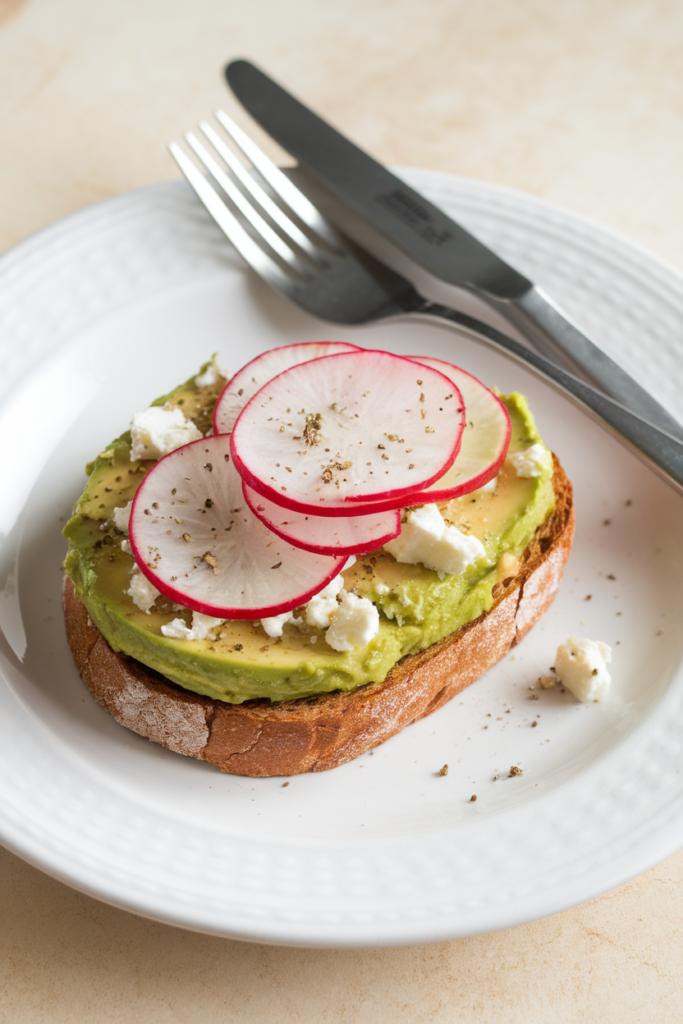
x: 432, y: 239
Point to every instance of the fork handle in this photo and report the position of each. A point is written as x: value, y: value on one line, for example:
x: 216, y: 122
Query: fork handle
x: 554, y: 335
x: 659, y: 449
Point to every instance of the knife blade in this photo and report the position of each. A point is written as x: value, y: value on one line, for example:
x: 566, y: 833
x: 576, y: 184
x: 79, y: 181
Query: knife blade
x: 432, y: 239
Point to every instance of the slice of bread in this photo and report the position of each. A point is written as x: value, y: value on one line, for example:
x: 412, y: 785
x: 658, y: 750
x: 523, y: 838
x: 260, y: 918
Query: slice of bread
x: 260, y: 738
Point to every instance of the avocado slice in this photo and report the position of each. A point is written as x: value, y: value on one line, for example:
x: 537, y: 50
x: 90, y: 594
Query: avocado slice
x: 417, y: 608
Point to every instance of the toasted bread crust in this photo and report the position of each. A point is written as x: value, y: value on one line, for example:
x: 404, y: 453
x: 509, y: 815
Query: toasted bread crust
x: 260, y: 738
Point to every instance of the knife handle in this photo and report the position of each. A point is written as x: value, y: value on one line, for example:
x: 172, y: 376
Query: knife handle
x: 554, y: 335
x: 662, y: 451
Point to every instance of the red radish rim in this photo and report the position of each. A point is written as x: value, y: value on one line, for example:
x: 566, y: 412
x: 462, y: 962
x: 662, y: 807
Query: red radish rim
x: 204, y: 607
x: 349, y: 506
x: 487, y: 474
x: 428, y: 496
x: 463, y: 423
x: 257, y: 359
x: 354, y: 549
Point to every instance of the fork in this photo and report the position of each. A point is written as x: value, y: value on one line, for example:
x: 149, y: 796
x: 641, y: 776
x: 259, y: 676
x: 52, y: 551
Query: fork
x: 299, y: 254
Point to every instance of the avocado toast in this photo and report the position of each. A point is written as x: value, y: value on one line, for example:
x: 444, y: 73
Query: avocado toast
x: 261, y: 705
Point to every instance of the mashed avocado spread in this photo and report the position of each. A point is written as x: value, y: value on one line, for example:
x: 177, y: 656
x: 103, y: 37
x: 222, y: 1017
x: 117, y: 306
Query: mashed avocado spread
x: 417, y: 608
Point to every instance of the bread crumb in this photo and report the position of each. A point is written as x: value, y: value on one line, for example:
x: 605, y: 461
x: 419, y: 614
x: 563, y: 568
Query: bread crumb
x: 534, y: 724
x: 444, y: 770
x: 514, y: 772
x: 284, y: 784
x: 546, y: 682
x: 473, y: 798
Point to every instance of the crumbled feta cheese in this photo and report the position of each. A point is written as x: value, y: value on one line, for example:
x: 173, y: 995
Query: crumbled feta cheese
x: 490, y: 487
x: 201, y: 627
x: 322, y: 606
x: 276, y: 623
x: 142, y: 592
x: 355, y: 623
x: 391, y: 613
x: 319, y: 610
x: 211, y: 374
x: 531, y: 462
x: 159, y: 430
x: 125, y: 547
x: 177, y: 629
x: 581, y: 666
x: 425, y: 538
x: 382, y: 588
x: 206, y: 379
x: 121, y: 517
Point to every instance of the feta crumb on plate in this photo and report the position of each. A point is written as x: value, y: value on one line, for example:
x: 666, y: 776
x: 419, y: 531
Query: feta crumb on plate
x: 581, y: 666
x: 426, y: 538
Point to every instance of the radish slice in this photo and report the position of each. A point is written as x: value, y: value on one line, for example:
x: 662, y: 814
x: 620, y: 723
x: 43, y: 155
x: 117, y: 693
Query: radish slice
x: 197, y: 541
x: 484, y: 446
x: 485, y: 440
x: 336, y: 432
x: 260, y: 370
x: 342, y: 535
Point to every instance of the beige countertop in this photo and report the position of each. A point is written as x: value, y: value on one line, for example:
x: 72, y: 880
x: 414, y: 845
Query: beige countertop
x: 579, y: 102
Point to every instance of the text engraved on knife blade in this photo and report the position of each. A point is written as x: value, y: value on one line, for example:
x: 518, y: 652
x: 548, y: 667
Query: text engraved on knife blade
x: 416, y: 216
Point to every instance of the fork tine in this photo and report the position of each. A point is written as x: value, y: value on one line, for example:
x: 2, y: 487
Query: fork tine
x: 281, y: 184
x: 244, y: 206
x: 245, y: 245
x: 262, y: 198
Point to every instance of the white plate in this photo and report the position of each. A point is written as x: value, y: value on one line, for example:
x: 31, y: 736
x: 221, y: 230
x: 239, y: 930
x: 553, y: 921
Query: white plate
x: 105, y: 311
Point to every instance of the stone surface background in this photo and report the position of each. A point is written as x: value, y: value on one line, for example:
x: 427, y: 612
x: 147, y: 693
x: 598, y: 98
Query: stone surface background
x: 578, y: 101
